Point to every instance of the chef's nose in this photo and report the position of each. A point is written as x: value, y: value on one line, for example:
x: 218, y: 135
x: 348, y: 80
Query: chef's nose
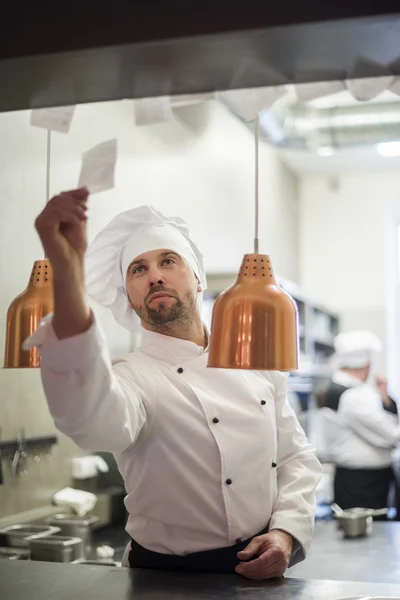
x: 158, y: 282
x: 155, y: 278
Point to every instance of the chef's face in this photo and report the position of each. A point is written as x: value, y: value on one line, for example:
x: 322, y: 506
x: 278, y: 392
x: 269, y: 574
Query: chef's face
x: 162, y: 288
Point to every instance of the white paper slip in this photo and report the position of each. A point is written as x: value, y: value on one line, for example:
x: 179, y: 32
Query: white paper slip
x: 152, y: 110
x: 248, y: 103
x: 318, y: 89
x: 368, y: 89
x: 98, y: 167
x: 57, y: 118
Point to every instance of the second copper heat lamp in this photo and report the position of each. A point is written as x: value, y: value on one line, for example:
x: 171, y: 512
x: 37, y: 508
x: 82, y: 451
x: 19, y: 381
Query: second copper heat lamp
x: 254, y: 321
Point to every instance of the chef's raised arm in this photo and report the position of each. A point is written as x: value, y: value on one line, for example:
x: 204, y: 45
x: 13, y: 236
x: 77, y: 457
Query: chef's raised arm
x: 89, y: 400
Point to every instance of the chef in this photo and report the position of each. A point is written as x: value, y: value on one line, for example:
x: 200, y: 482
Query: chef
x: 360, y: 424
x: 218, y: 472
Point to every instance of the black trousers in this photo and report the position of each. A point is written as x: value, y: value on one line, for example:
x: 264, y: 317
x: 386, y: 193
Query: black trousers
x: 221, y: 560
x: 363, y: 488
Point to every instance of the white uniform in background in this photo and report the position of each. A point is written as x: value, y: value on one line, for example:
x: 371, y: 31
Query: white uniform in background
x: 208, y: 456
x: 359, y: 434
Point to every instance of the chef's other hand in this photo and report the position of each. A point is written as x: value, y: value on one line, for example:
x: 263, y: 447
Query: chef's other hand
x: 381, y: 384
x: 271, y: 552
x: 62, y: 229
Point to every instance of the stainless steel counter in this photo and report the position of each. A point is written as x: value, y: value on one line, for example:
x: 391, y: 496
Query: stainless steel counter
x: 50, y: 581
x: 373, y: 558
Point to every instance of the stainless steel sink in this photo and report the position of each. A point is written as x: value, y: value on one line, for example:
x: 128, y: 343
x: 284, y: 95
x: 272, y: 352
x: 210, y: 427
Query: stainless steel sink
x: 56, y: 548
x: 19, y: 535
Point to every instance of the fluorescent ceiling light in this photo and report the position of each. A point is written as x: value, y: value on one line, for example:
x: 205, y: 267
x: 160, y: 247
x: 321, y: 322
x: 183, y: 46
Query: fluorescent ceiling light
x: 388, y: 149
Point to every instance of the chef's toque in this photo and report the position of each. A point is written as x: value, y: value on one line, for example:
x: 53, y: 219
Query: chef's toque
x: 127, y: 236
x: 356, y: 349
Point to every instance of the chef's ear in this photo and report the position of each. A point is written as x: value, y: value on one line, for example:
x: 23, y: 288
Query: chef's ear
x: 199, y: 286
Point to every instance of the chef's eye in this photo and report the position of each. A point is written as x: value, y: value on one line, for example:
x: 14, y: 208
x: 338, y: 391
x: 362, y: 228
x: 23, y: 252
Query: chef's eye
x: 168, y: 261
x: 137, y: 270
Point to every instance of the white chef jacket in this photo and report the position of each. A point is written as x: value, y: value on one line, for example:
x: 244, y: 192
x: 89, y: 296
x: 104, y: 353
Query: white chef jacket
x: 208, y: 456
x: 360, y: 434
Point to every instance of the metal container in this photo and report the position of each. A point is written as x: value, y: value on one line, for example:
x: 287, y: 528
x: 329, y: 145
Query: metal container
x: 19, y: 535
x: 56, y: 548
x: 357, y: 526
x: 99, y: 563
x: 13, y: 554
x: 75, y: 526
x: 356, y: 522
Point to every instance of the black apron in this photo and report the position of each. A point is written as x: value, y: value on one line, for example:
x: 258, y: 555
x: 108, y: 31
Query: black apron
x: 220, y: 560
x: 363, y: 488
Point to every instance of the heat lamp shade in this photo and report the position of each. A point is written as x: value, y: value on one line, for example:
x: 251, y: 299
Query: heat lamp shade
x: 254, y: 322
x: 25, y: 314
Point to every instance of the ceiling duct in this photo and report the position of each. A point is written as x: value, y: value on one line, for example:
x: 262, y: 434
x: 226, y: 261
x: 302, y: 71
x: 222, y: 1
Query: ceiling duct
x: 303, y: 127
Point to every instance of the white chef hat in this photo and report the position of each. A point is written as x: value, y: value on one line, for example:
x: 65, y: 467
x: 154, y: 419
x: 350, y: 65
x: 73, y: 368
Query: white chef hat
x: 128, y: 235
x: 356, y: 349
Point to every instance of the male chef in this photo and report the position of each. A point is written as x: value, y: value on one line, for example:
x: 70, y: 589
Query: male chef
x: 360, y: 424
x: 218, y: 472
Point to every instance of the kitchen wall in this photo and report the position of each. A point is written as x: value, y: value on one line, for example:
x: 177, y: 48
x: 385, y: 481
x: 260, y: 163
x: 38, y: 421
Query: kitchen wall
x: 348, y: 252
x: 198, y: 166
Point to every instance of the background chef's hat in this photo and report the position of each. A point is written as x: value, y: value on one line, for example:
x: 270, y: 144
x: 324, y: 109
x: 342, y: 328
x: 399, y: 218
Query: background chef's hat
x: 356, y: 349
x: 128, y: 235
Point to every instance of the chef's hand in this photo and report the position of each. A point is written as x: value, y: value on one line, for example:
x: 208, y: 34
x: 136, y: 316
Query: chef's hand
x: 62, y: 229
x: 382, y: 386
x: 268, y: 555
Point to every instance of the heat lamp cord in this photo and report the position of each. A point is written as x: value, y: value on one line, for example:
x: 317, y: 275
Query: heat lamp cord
x: 48, y: 156
x: 256, y: 136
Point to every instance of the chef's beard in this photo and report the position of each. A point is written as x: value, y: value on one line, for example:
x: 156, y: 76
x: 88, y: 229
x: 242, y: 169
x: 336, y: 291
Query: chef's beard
x: 167, y: 316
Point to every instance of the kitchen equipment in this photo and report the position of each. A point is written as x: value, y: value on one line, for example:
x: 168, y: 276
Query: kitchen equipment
x: 56, y: 548
x: 99, y: 563
x: 13, y: 554
x: 19, y: 464
x: 356, y: 527
x: 75, y: 526
x: 110, y: 507
x: 356, y: 522
x: 104, y: 552
x: 20, y: 535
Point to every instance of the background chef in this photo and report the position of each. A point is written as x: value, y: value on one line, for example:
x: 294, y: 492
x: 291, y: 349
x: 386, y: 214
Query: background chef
x: 218, y: 473
x: 360, y: 424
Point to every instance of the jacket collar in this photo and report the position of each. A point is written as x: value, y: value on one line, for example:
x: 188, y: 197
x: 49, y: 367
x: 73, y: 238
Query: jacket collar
x: 170, y: 349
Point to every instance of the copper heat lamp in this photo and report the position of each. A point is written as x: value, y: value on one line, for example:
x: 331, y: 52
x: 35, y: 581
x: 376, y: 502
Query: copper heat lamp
x: 29, y: 308
x: 254, y: 321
